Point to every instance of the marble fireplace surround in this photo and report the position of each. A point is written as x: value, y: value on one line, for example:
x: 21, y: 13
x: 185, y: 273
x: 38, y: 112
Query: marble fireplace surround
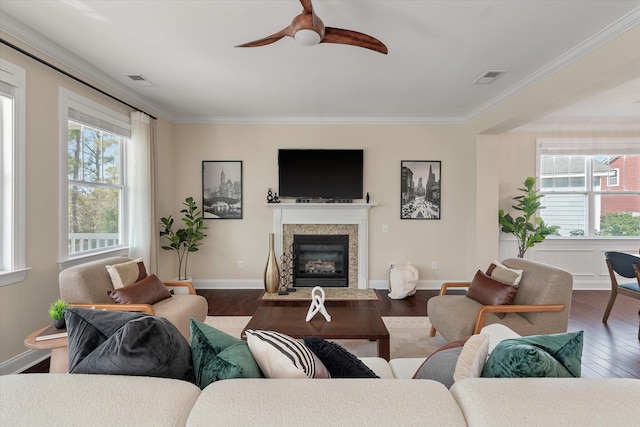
x: 327, y: 218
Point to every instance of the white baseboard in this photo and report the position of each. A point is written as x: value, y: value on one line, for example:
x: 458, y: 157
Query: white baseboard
x: 578, y: 285
x: 228, y: 284
x: 23, y: 361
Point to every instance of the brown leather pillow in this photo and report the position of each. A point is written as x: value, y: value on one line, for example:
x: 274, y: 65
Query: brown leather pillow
x: 149, y: 290
x: 488, y: 291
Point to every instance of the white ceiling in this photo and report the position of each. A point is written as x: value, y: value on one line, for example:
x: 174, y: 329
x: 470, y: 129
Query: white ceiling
x: 437, y: 49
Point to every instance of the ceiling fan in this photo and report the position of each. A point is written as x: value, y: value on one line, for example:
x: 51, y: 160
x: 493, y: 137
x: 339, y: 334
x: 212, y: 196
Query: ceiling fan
x: 308, y: 29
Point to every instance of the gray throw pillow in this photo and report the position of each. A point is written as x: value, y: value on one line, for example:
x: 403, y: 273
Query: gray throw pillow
x: 122, y: 343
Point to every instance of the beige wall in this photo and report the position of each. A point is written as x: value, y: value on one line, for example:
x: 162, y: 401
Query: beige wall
x: 448, y: 241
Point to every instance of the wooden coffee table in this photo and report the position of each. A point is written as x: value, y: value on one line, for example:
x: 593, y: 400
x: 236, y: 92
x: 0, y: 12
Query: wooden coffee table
x: 346, y: 323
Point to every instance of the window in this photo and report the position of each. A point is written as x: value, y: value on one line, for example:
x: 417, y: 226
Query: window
x: 12, y: 173
x: 591, y: 187
x: 94, y: 182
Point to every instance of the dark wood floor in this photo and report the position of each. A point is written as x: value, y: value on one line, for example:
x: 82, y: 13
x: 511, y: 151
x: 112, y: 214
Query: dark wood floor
x: 610, y: 350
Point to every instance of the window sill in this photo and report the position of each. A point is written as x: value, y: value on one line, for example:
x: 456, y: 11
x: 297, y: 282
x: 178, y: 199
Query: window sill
x: 504, y: 236
x: 13, y: 276
x: 94, y: 256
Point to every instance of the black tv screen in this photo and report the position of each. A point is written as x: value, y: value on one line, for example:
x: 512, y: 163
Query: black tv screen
x: 315, y: 174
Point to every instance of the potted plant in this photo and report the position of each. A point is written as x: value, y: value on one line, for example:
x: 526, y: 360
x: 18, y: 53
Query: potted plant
x: 184, y: 240
x: 56, y: 312
x: 528, y: 230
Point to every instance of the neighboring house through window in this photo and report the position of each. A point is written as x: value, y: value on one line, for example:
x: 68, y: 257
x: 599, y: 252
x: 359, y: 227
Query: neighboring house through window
x: 93, y: 194
x: 12, y: 173
x: 591, y: 187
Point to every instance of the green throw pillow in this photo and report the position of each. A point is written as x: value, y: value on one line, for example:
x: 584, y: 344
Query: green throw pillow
x: 555, y: 355
x: 219, y: 356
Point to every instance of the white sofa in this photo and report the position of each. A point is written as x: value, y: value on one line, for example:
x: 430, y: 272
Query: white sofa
x: 102, y: 400
x: 394, y: 400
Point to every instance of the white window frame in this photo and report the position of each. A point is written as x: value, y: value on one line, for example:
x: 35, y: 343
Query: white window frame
x: 115, y: 120
x: 13, y: 267
x: 615, y: 183
x: 586, y: 147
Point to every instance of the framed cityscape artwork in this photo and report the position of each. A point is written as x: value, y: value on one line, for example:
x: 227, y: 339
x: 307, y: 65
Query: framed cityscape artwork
x: 420, y: 187
x: 222, y: 189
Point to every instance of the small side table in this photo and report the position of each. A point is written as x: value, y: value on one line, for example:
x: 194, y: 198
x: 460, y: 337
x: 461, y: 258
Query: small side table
x: 59, y: 352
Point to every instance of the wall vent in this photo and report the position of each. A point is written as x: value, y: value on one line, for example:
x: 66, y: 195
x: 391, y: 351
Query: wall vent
x: 489, y: 76
x: 139, y: 79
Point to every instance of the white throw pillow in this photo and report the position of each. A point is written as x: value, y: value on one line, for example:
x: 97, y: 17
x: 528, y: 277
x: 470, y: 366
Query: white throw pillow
x: 280, y: 356
x: 126, y: 273
x: 498, y: 332
x: 505, y: 274
x: 471, y: 361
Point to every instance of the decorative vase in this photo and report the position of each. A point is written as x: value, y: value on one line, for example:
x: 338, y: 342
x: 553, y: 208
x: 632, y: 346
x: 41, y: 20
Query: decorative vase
x: 271, y: 271
x: 59, y: 323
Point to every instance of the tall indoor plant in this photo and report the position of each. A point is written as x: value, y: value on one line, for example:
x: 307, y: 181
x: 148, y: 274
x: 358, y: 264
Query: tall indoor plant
x: 184, y: 240
x: 528, y: 230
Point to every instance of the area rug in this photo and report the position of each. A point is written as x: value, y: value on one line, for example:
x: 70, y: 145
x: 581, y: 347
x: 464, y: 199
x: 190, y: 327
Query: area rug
x: 332, y: 294
x: 409, y: 335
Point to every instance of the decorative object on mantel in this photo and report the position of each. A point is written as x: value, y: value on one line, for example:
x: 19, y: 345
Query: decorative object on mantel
x: 367, y: 198
x: 420, y: 189
x: 184, y: 240
x: 269, y: 196
x: 56, y: 312
x: 271, y: 271
x: 527, y: 232
x: 276, y: 199
x: 317, y: 304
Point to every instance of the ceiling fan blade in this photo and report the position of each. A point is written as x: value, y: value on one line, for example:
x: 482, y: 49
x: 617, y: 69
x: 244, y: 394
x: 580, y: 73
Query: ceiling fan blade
x: 306, y: 6
x: 269, y: 39
x: 354, y: 38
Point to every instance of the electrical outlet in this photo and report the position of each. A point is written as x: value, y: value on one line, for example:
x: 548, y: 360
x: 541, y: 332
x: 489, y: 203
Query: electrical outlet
x: 434, y: 265
x: 240, y: 265
x: 385, y: 228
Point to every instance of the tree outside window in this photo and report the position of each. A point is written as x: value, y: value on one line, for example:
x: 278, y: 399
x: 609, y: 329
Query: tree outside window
x: 95, y: 188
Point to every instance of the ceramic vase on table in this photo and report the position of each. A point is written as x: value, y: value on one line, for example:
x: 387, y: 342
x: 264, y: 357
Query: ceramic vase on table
x: 271, y: 271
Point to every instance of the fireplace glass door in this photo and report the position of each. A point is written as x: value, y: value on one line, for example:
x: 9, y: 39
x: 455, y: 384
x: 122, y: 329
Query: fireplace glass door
x: 321, y: 260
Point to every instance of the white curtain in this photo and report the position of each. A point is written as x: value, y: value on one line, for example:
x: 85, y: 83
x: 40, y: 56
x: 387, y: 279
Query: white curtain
x: 141, y: 200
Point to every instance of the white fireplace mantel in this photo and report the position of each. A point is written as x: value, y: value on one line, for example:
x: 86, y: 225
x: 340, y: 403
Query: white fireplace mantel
x: 327, y: 213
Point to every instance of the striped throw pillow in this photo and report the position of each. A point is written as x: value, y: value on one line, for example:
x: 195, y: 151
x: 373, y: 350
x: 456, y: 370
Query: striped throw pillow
x: 280, y: 356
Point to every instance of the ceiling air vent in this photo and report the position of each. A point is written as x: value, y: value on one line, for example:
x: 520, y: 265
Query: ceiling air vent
x: 140, y: 79
x: 489, y: 76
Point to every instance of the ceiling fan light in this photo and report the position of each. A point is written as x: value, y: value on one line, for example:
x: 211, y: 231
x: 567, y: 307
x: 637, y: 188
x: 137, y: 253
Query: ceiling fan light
x: 307, y: 37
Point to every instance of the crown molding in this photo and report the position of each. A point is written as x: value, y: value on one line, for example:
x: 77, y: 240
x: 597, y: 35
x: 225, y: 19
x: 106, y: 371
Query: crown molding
x: 58, y: 53
x: 602, y: 37
x: 323, y: 120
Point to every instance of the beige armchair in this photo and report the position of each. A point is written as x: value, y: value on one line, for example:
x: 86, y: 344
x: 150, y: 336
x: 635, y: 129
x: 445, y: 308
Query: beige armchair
x: 541, y: 305
x: 86, y: 285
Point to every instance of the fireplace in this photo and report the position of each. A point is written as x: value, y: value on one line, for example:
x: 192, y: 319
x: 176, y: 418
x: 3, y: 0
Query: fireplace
x: 351, y: 219
x: 321, y: 260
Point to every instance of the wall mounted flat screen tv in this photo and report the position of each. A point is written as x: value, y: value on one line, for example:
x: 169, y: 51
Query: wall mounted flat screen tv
x: 320, y: 174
